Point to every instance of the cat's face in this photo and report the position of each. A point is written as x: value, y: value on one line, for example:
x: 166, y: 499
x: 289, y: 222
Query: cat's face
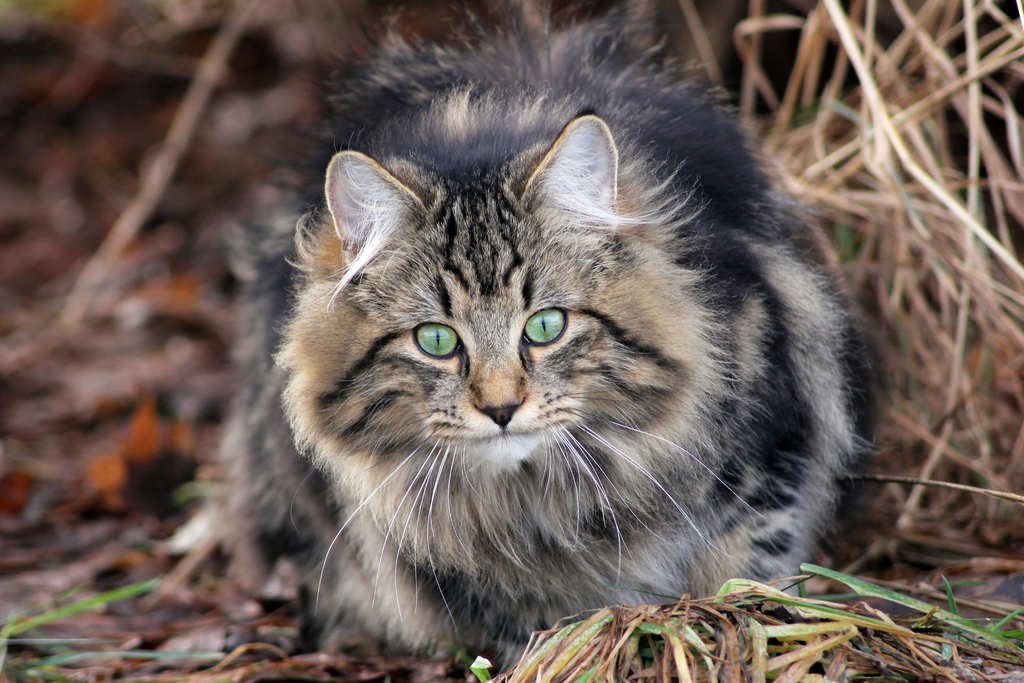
x: 493, y: 318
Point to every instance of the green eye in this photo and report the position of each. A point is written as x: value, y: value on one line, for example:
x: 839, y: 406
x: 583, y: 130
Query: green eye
x: 545, y: 326
x: 436, y: 340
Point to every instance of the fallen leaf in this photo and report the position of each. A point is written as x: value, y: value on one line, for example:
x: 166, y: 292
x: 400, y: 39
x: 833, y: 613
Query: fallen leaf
x: 107, y: 474
x: 151, y: 462
x: 144, y: 433
x: 15, y: 487
x: 90, y: 13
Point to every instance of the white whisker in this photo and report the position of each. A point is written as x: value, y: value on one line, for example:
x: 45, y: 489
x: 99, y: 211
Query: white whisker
x: 350, y: 517
x: 387, y: 534
x: 643, y: 470
x: 414, y: 506
x: 696, y: 460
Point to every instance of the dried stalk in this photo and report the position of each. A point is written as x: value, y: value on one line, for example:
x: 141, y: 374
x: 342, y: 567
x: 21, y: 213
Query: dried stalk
x: 157, y: 176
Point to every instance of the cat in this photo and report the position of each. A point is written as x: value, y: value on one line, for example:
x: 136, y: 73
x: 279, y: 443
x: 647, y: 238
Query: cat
x: 545, y: 339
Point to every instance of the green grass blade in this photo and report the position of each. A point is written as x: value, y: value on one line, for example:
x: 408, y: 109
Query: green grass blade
x: 481, y: 668
x: 5, y: 634
x: 949, y: 596
x: 583, y: 634
x: 869, y: 589
x: 58, y: 641
x: 641, y: 591
x: 587, y: 675
x: 71, y: 657
x: 1004, y: 620
x: 527, y: 667
x: 16, y: 626
x: 694, y: 640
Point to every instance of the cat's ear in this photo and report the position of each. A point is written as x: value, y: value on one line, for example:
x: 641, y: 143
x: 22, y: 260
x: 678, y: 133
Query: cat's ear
x: 579, y: 174
x: 367, y: 204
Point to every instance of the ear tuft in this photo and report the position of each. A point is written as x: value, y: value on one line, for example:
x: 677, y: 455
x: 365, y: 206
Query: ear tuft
x: 579, y: 174
x: 367, y: 204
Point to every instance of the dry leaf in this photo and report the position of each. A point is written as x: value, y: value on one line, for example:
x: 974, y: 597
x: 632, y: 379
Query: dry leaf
x: 144, y: 434
x: 15, y: 487
x: 152, y: 461
x: 106, y: 475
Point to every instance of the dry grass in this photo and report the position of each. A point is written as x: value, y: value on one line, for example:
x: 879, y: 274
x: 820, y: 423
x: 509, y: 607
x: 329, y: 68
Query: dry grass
x: 917, y: 169
x: 752, y: 632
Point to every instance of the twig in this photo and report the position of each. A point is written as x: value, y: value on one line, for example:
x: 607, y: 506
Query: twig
x: 120, y: 53
x: 914, y: 481
x: 747, y: 40
x: 157, y: 177
x: 914, y: 499
x: 999, y: 609
x: 809, y: 37
x: 751, y: 62
x: 245, y: 648
x: 181, y: 573
x: 700, y: 39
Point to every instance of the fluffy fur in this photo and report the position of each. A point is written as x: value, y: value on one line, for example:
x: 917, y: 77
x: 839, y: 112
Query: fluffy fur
x: 689, y: 425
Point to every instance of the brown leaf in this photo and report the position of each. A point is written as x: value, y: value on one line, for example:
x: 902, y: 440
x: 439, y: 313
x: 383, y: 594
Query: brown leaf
x: 183, y: 293
x: 181, y: 438
x: 15, y: 487
x: 152, y: 461
x: 143, y: 441
x: 91, y: 13
x: 107, y: 474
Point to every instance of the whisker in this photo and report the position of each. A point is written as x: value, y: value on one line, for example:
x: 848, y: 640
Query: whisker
x: 430, y: 524
x: 350, y: 517
x: 291, y: 504
x: 414, y: 506
x: 640, y: 468
x: 602, y: 494
x: 387, y: 535
x: 451, y: 517
x: 575, y: 481
x: 696, y: 460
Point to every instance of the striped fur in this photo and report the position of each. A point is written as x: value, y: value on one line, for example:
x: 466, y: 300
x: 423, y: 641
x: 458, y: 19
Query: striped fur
x: 689, y: 425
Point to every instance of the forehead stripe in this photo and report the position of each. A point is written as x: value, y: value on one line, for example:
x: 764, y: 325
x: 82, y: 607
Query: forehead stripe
x: 444, y: 297
x: 517, y: 261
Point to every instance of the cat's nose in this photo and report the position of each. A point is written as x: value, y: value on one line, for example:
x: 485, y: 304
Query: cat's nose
x: 501, y: 415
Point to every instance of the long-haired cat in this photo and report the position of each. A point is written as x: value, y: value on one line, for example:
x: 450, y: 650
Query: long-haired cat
x: 545, y: 338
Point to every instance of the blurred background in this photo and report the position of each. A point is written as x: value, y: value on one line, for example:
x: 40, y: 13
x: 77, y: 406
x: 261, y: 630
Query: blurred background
x: 138, y: 137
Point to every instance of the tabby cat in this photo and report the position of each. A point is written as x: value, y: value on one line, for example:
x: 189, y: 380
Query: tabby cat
x: 545, y: 339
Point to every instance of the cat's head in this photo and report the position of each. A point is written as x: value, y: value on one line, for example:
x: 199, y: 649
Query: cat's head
x: 499, y: 313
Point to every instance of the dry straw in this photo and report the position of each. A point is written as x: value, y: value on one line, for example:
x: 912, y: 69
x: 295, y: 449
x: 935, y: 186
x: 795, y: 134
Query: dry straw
x: 753, y: 632
x: 911, y: 149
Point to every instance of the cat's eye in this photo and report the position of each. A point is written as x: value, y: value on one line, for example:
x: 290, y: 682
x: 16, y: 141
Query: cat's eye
x: 545, y: 327
x: 436, y: 339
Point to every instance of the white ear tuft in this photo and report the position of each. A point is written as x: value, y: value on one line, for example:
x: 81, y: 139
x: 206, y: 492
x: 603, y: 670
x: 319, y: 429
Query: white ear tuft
x: 367, y: 204
x: 579, y: 175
